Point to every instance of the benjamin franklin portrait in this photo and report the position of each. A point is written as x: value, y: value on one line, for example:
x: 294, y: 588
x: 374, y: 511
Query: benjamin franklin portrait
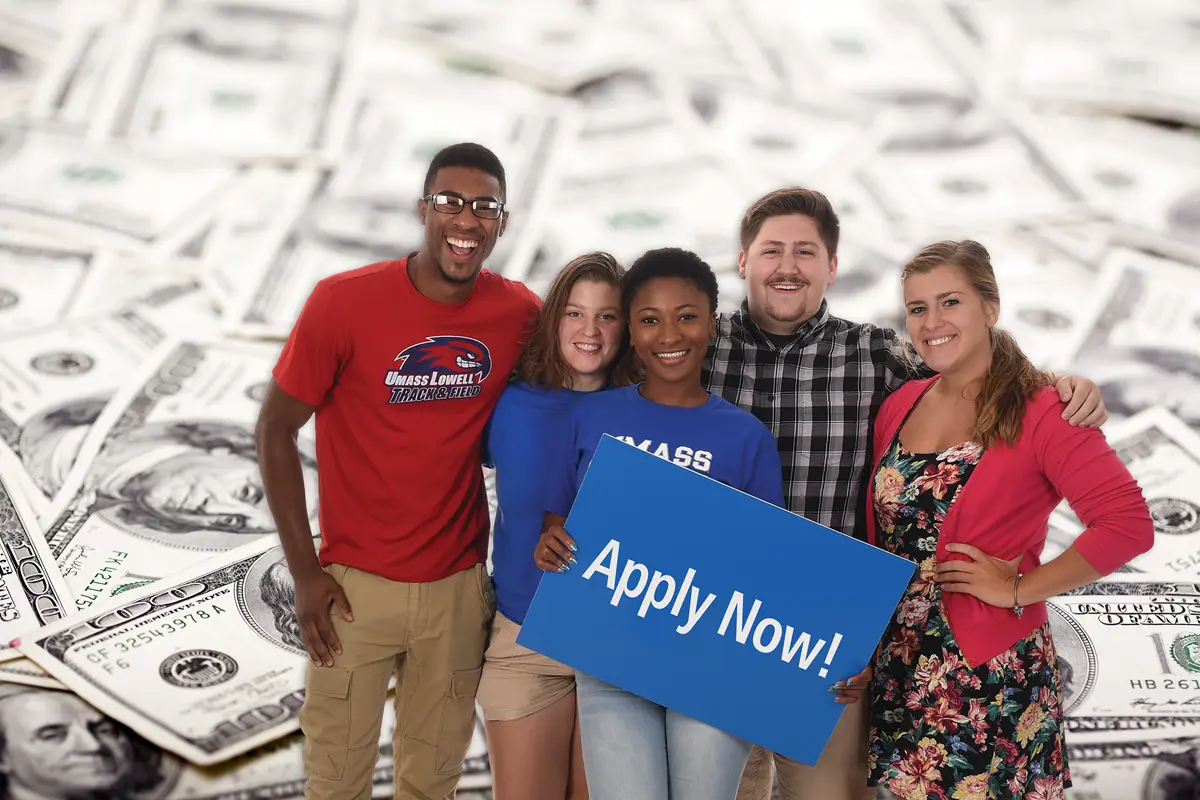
x: 50, y: 441
x: 189, y: 483
x: 54, y: 746
x: 268, y: 599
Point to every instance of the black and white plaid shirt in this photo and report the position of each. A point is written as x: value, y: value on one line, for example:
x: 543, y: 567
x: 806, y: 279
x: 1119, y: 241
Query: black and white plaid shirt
x: 818, y: 394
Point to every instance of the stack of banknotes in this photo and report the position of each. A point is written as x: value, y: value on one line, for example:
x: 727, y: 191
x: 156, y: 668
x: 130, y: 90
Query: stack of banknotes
x: 175, y: 175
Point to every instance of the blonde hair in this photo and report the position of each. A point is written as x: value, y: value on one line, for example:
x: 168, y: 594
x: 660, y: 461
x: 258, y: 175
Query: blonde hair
x: 1012, y: 379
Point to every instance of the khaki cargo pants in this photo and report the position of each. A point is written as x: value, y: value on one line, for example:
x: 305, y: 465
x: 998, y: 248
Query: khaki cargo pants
x: 432, y: 635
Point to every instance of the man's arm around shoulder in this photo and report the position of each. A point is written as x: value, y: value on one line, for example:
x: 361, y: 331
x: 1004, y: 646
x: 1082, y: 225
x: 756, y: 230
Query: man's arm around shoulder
x: 279, y: 422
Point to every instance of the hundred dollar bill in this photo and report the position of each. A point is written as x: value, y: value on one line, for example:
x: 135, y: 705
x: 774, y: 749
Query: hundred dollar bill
x: 207, y: 663
x: 52, y: 182
x: 260, y: 80
x: 866, y: 54
x: 1085, y: 240
x: 1140, y: 342
x: 1129, y: 656
x: 706, y: 42
x: 168, y: 474
x: 983, y: 170
x: 780, y: 142
x: 1134, y: 769
x: 135, y: 767
x: 1111, y: 62
x: 23, y: 671
x: 32, y: 592
x: 555, y: 46
x: 1130, y: 171
x: 171, y: 292
x: 632, y: 120
x: 54, y: 382
x: 89, y: 40
x: 249, y: 225
x: 861, y: 49
x: 40, y: 282
x: 1163, y: 454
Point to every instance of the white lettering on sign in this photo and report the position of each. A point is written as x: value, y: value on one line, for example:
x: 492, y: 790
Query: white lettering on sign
x: 657, y: 589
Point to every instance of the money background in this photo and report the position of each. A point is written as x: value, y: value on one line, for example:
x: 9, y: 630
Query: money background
x: 176, y: 174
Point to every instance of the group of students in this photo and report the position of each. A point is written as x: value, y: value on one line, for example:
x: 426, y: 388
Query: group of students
x: 423, y: 369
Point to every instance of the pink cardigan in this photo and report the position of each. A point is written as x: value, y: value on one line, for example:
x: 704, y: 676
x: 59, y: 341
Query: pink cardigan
x: 1005, y: 505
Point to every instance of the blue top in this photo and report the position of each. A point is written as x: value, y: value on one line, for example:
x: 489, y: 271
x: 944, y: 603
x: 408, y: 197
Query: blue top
x: 716, y: 439
x: 523, y: 437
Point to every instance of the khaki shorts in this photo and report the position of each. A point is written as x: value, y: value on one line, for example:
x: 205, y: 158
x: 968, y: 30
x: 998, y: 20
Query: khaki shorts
x: 517, y: 681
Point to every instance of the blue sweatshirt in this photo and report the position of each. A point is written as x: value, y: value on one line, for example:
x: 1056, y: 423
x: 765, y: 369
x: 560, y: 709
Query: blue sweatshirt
x: 524, y: 437
x: 716, y: 439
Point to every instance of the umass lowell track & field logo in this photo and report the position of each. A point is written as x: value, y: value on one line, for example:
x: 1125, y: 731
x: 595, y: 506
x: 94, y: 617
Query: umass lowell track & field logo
x: 439, y: 368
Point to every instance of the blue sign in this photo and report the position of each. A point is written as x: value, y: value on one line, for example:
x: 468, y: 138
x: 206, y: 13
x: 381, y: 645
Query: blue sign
x: 713, y: 603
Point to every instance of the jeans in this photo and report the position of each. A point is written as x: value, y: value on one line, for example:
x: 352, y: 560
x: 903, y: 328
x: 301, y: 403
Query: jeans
x: 634, y: 749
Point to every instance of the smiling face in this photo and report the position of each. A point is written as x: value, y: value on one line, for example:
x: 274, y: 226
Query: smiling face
x: 948, y: 320
x: 787, y: 268
x: 589, y: 332
x: 671, y: 322
x: 459, y: 243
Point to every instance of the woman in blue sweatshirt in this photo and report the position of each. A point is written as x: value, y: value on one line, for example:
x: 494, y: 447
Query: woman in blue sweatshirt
x: 528, y: 700
x: 636, y: 749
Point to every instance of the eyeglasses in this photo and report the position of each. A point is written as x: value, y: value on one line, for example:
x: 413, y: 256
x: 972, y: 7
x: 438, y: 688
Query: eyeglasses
x: 453, y: 204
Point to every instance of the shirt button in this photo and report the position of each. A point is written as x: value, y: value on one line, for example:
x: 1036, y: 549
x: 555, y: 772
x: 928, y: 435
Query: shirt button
x: 771, y: 397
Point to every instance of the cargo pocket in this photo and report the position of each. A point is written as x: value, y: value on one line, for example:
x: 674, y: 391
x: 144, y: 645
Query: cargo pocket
x: 458, y: 720
x: 325, y: 720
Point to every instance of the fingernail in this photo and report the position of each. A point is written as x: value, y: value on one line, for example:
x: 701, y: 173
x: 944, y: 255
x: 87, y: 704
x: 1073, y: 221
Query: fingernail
x: 572, y: 547
x: 572, y: 559
x: 850, y: 682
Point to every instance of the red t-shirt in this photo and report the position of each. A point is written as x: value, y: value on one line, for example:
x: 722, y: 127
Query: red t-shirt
x: 403, y: 386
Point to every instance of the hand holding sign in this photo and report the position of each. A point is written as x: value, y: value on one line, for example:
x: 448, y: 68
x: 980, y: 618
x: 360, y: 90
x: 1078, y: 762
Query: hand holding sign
x: 555, y: 549
x: 665, y: 601
x: 851, y: 691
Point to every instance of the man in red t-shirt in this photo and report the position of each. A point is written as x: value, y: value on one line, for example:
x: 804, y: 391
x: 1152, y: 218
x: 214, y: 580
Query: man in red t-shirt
x: 402, y: 362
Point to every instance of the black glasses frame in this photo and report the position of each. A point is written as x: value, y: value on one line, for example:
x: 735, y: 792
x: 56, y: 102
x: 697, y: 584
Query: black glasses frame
x: 457, y: 204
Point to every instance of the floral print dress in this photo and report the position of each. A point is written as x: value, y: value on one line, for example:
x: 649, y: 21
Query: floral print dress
x: 941, y: 729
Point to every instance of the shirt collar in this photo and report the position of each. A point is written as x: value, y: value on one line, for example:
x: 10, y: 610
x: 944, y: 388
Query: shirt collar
x: 806, y: 334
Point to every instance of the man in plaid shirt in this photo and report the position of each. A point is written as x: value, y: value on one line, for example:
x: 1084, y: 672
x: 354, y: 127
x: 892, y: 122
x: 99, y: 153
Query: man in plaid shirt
x: 816, y: 381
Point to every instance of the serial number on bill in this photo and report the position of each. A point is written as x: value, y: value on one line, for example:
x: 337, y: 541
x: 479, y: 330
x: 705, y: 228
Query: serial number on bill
x: 179, y: 622
x: 1167, y: 684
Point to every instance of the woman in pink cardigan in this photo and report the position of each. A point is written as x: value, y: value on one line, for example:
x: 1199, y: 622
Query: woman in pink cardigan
x: 965, y: 686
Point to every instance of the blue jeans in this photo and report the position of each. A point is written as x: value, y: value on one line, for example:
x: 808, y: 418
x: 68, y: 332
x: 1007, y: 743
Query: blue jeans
x: 637, y: 750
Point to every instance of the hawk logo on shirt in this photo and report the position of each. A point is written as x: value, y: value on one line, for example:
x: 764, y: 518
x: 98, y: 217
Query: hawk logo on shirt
x: 439, y: 368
